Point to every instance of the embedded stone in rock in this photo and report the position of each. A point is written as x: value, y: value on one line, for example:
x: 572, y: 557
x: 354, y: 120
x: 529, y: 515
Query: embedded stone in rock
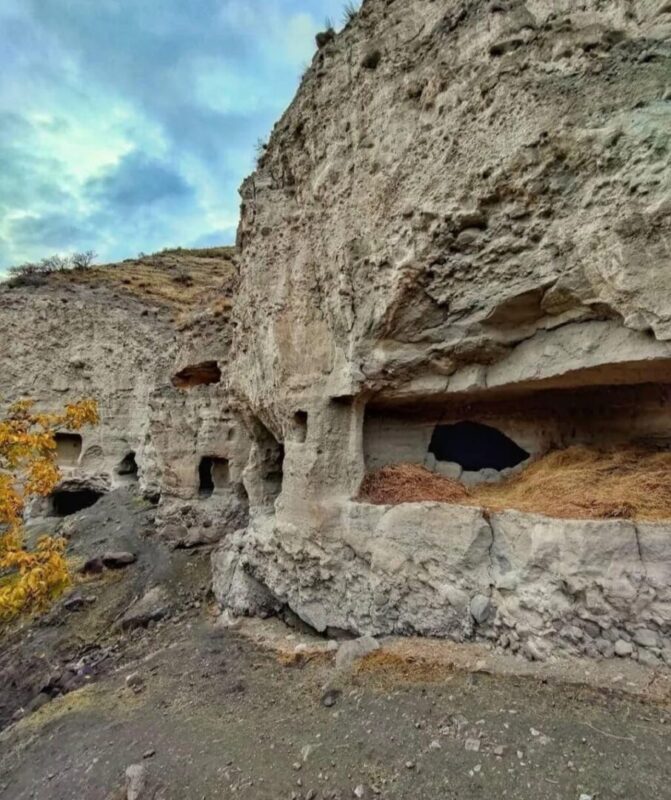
x: 623, y: 648
x: 482, y: 476
x: 605, y: 648
x: 330, y: 697
x: 152, y: 606
x: 74, y: 603
x: 93, y: 566
x: 447, y: 469
x: 352, y: 650
x: 135, y: 681
x: 118, y: 560
x: 136, y: 781
x: 648, y: 658
x: 646, y: 638
x: 203, y: 374
x: 233, y: 587
x: 535, y: 649
x: 480, y: 608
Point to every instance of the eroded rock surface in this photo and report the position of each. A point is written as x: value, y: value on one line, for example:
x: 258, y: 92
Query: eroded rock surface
x: 463, y: 215
x: 120, y: 334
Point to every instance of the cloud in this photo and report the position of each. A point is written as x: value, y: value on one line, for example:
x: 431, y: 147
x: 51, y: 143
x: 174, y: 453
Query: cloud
x: 134, y: 123
x: 137, y: 180
x: 52, y: 231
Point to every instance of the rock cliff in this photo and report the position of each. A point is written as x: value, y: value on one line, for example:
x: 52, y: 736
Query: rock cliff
x: 122, y: 334
x: 454, y: 253
x: 463, y: 215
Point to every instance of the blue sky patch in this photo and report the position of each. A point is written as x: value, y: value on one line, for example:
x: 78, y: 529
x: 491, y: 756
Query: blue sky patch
x: 128, y: 125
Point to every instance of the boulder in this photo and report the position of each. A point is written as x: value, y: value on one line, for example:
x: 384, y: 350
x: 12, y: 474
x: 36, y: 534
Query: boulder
x: 480, y: 608
x: 118, y: 559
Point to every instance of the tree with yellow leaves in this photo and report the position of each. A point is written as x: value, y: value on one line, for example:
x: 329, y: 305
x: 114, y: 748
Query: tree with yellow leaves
x: 29, y: 579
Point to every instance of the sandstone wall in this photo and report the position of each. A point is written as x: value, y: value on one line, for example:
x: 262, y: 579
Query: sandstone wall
x: 466, y: 203
x: 62, y: 343
x: 463, y: 215
x: 120, y: 334
x: 523, y: 582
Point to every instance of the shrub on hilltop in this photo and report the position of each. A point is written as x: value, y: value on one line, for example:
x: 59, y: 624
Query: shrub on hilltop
x: 35, y: 273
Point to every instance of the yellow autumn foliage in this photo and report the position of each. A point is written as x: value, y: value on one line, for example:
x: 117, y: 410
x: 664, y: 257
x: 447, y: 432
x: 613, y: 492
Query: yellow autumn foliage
x: 29, y: 579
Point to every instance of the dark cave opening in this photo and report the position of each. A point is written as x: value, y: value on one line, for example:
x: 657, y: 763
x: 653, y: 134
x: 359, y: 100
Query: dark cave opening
x: 475, y: 446
x: 128, y: 465
x: 203, y: 374
x: 213, y: 473
x: 300, y: 426
x: 65, y: 502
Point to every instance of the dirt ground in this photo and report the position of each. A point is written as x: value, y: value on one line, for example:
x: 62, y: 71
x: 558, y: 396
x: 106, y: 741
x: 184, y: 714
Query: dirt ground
x: 210, y: 713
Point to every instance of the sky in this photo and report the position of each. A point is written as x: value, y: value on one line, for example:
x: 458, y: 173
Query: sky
x: 127, y: 126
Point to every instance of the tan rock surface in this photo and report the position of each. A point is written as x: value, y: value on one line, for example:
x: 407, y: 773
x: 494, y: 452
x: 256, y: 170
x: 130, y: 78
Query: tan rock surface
x: 463, y: 214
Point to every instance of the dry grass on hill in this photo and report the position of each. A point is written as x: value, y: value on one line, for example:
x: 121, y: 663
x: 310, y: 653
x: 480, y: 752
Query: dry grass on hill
x: 577, y: 483
x: 181, y: 279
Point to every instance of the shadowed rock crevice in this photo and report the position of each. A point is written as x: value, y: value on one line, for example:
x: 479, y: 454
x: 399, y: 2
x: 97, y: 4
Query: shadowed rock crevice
x: 128, y: 466
x: 65, y: 502
x: 203, y: 374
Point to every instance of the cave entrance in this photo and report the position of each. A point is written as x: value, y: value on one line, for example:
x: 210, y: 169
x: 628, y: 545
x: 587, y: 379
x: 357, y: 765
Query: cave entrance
x: 213, y: 473
x: 203, y: 374
x: 475, y: 446
x: 299, y: 428
x: 128, y: 466
x: 265, y: 470
x: 65, y: 502
x: 272, y: 469
x: 68, y: 448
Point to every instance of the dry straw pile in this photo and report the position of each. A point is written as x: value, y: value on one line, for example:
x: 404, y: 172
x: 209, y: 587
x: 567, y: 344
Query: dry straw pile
x: 577, y: 483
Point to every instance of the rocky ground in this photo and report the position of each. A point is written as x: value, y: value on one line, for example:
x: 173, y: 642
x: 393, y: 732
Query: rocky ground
x: 113, y: 696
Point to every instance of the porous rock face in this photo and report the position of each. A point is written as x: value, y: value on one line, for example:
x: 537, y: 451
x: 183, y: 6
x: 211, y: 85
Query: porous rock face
x: 119, y: 334
x: 467, y: 205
